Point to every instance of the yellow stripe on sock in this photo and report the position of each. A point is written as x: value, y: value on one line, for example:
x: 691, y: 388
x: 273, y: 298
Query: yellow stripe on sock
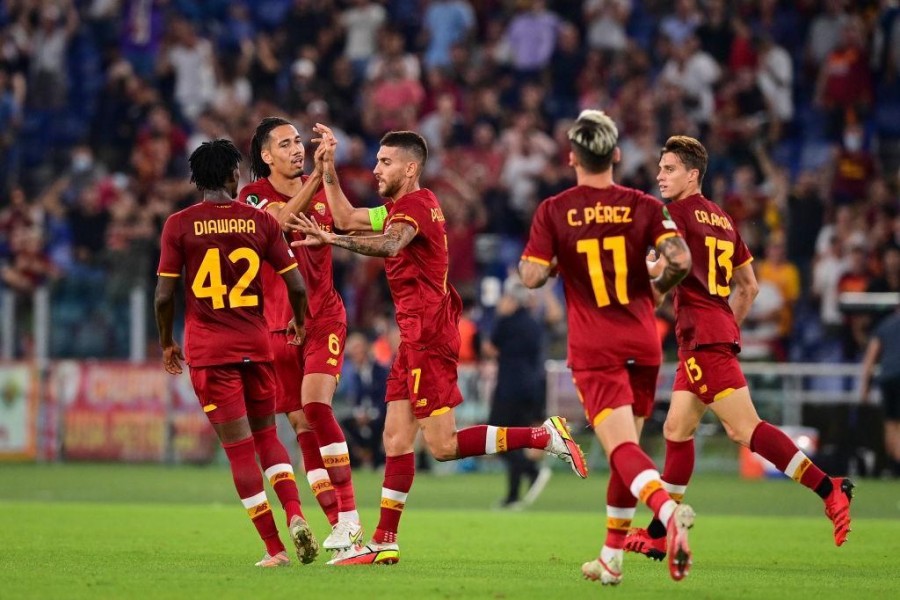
x: 676, y: 497
x: 501, y: 439
x: 322, y: 486
x: 648, y: 490
x: 799, y: 471
x: 392, y: 504
x: 282, y: 476
x: 336, y: 460
x: 618, y: 524
x: 259, y: 510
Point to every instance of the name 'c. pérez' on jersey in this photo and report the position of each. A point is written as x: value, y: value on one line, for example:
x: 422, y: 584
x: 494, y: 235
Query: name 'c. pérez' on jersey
x: 712, y: 219
x: 598, y: 214
x: 210, y: 226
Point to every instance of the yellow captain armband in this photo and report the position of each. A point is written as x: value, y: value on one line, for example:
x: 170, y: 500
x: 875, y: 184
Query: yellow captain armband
x: 377, y: 216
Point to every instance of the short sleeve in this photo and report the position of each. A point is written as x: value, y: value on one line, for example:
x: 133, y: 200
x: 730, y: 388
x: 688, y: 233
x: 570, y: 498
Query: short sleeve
x: 407, y: 211
x: 278, y: 253
x: 541, y: 246
x: 171, y: 254
x: 742, y: 255
x: 661, y: 224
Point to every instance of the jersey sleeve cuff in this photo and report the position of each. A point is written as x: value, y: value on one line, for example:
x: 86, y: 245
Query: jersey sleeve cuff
x: 745, y: 263
x: 288, y: 268
x: 664, y: 236
x: 536, y: 260
x: 162, y: 274
x: 406, y: 218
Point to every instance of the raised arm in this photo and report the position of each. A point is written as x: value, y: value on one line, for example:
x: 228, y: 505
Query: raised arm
x: 677, y: 263
x: 744, y: 292
x: 299, y: 202
x: 346, y: 216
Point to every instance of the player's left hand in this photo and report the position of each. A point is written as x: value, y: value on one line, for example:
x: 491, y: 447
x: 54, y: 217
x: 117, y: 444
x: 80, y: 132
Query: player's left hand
x: 172, y: 358
x: 315, y: 236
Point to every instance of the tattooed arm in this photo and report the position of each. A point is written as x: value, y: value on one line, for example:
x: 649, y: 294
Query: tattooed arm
x: 394, y: 239
x: 346, y: 216
x: 678, y: 263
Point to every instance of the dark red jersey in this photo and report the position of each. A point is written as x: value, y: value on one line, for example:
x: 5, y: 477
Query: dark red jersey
x: 600, y: 238
x: 702, y: 313
x: 222, y: 247
x: 428, y: 308
x: 315, y: 264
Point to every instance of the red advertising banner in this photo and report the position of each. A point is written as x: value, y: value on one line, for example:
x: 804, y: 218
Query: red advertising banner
x: 113, y: 411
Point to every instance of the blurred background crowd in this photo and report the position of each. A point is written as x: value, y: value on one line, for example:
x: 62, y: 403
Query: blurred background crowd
x: 798, y: 102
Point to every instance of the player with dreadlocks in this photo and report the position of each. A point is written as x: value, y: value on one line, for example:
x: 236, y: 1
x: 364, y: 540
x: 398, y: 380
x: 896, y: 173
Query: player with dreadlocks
x: 219, y: 245
x: 307, y: 375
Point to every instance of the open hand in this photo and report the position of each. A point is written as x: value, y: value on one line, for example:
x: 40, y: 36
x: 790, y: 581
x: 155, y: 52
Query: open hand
x: 315, y: 236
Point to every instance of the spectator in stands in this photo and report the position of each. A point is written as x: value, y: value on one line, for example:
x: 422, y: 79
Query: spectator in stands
x: 531, y: 35
x: 445, y: 23
x: 777, y: 270
x: 844, y: 86
x: 361, y: 22
x: 854, y: 166
x: 188, y: 58
x: 49, y: 77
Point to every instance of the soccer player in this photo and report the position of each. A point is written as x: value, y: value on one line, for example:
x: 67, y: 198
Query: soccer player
x: 422, y: 387
x: 596, y: 235
x: 220, y: 245
x: 708, y: 314
x: 307, y: 375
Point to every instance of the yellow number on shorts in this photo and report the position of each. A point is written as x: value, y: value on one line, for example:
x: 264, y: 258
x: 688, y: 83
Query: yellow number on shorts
x: 723, y: 259
x: 334, y: 344
x: 692, y: 370
x: 208, y: 280
x: 417, y: 376
x: 591, y: 248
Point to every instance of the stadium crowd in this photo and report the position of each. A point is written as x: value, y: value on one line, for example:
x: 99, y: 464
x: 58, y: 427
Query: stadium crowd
x: 798, y: 103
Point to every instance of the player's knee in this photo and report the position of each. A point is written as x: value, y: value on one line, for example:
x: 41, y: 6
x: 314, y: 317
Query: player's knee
x: 739, y: 435
x: 395, y: 444
x: 678, y: 430
x: 444, y: 449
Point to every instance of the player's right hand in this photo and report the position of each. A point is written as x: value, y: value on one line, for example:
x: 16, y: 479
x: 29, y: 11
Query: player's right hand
x: 172, y: 358
x: 299, y: 333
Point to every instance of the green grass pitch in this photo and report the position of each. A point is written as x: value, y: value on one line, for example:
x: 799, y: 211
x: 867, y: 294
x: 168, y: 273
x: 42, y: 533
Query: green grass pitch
x: 92, y: 531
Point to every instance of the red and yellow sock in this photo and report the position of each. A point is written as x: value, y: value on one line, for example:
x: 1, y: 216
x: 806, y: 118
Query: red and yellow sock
x: 772, y: 444
x: 317, y: 476
x: 335, y: 454
x: 480, y: 440
x: 249, y: 485
x: 399, y: 472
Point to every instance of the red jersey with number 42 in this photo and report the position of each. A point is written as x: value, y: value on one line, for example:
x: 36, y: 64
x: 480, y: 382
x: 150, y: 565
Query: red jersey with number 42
x: 428, y: 307
x: 221, y: 247
x: 702, y: 313
x: 315, y: 264
x: 600, y: 238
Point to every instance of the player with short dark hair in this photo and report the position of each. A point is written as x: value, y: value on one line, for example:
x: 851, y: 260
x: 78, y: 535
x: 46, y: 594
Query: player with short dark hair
x: 708, y: 314
x: 597, y: 234
x: 220, y: 245
x: 422, y: 387
x: 306, y: 375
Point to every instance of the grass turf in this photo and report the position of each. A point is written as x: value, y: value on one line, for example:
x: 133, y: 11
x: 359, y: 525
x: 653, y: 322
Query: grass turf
x: 98, y: 531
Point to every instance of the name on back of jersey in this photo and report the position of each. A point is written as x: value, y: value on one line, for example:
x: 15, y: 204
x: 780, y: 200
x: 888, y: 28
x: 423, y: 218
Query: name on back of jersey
x: 712, y: 219
x: 211, y: 226
x: 600, y: 214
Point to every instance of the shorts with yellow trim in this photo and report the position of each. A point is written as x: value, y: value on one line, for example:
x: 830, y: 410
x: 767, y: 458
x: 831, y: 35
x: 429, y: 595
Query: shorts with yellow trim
x: 710, y: 372
x: 604, y: 389
x: 229, y: 392
x: 426, y: 377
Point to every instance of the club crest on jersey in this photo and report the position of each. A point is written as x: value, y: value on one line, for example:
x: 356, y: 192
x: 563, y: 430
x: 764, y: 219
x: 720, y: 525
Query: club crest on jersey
x: 320, y: 208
